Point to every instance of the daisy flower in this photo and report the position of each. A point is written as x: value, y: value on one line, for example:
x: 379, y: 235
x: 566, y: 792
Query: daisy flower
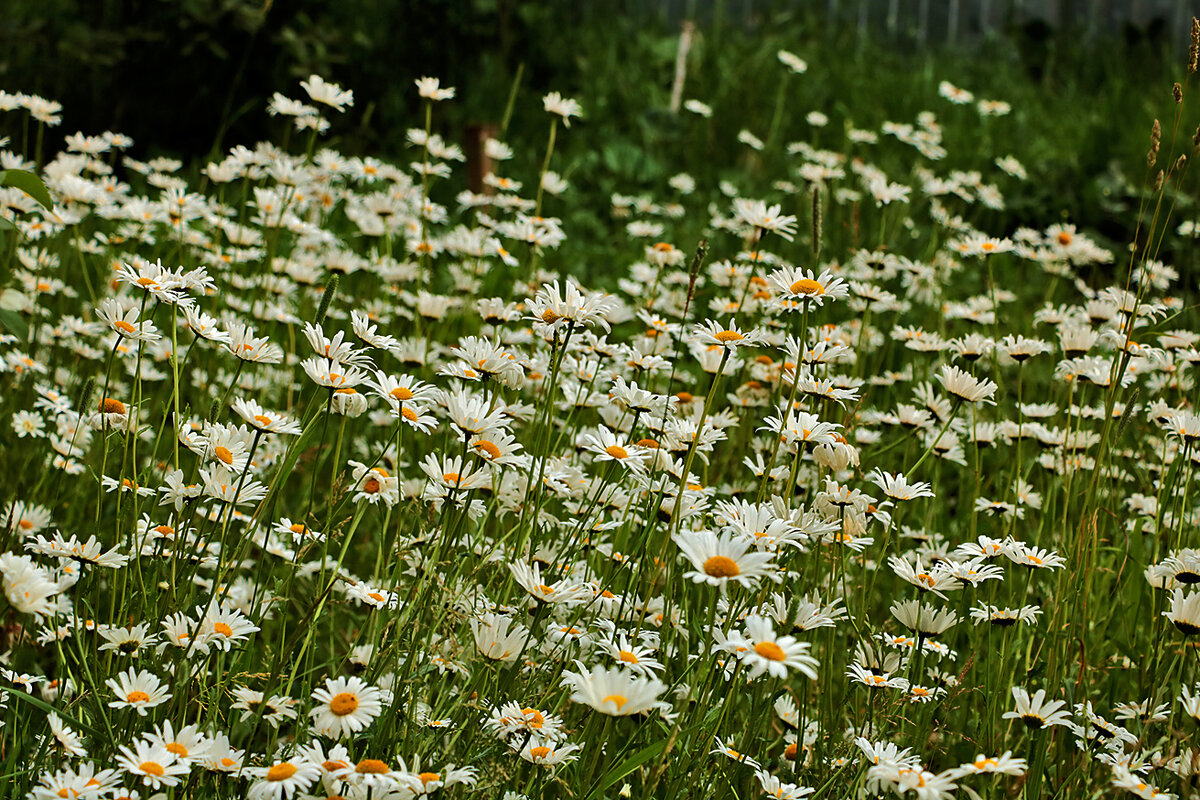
x: 139, y: 690
x: 794, y: 285
x: 397, y: 391
x: 763, y: 218
x: 159, y: 282
x: 154, y: 764
x: 718, y: 560
x: 607, y: 447
x: 189, y: 745
x: 565, y: 107
x: 374, y: 484
x: 773, y: 787
x: 431, y: 89
x: 126, y: 322
x: 330, y: 94
x: 925, y: 619
x: 1034, y: 557
x: 246, y: 346
x: 283, y: 779
x: 897, y: 486
x: 346, y: 706
x: 546, y: 753
x: 1004, y: 617
x: 875, y: 679
x: 768, y: 652
x: 557, y: 307
x: 633, y: 657
x: 964, y: 386
x: 265, y: 421
x: 564, y: 592
x: 615, y: 692
x: 512, y: 718
x: 1037, y: 712
x: 453, y: 475
x: 711, y: 333
x: 497, y: 638
x: 727, y: 749
x: 1184, y: 612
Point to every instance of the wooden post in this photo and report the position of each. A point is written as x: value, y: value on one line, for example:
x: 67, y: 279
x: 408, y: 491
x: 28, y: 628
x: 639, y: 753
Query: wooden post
x: 478, y: 163
x: 685, y: 44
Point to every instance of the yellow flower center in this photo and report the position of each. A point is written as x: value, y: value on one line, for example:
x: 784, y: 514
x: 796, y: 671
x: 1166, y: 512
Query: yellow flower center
x: 152, y: 768
x: 539, y: 752
x: 806, y: 286
x: 137, y: 697
x: 770, y: 651
x: 343, y: 704
x: 549, y: 317
x: 371, y: 766
x: 618, y: 699
x: 261, y: 420
x: 124, y: 326
x: 724, y: 337
x: 223, y: 629
x: 223, y: 454
x: 402, y: 393
x: 484, y: 447
x: 721, y: 567
x: 281, y: 772
x: 110, y: 406
x: 627, y: 656
x: 616, y: 451
x: 426, y: 777
x: 371, y: 486
x: 177, y: 749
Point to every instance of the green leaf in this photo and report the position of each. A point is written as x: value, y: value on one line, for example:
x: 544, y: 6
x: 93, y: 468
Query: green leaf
x: 13, y: 323
x: 44, y: 706
x: 7, y: 224
x: 30, y: 184
x: 628, y: 765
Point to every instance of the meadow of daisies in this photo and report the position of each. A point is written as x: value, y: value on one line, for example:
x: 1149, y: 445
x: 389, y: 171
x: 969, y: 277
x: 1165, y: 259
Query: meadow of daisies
x: 325, y: 476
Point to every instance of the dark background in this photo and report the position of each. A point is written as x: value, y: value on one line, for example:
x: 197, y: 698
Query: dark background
x: 183, y: 76
x: 191, y: 78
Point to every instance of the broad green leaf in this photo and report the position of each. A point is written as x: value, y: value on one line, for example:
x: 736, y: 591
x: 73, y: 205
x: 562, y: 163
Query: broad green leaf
x: 44, y: 706
x: 31, y: 185
x: 628, y: 765
x: 12, y: 322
